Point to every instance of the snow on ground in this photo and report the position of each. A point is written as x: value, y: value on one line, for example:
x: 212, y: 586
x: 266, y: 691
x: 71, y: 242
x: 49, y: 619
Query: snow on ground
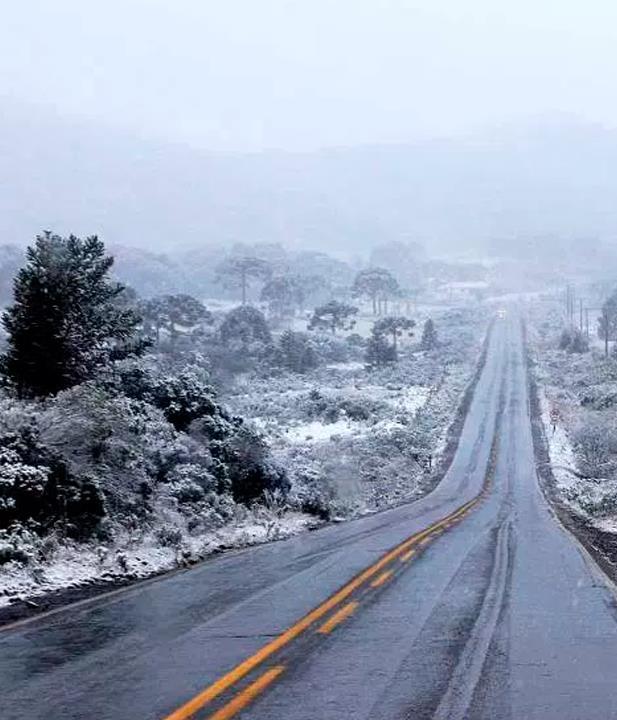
x: 345, y: 436
x: 76, y: 565
x: 318, y: 431
x: 565, y: 379
x: 560, y: 449
x: 345, y: 367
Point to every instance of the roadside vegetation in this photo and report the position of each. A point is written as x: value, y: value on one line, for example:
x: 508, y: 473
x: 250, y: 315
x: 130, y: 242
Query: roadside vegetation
x: 577, y: 376
x: 139, y: 433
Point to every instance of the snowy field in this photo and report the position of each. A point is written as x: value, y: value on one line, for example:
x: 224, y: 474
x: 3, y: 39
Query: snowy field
x: 357, y: 440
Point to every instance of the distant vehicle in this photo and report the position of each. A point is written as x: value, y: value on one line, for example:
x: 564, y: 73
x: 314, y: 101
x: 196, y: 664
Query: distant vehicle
x: 501, y: 313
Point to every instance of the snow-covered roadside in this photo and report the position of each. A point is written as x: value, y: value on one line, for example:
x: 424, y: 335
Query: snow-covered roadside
x: 562, y: 380
x: 560, y: 449
x: 351, y: 441
x: 77, y: 565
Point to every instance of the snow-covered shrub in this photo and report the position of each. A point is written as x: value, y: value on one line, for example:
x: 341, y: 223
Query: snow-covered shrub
x: 573, y: 341
x: 183, y: 396
x: 595, y: 499
x: 169, y: 536
x: 294, y: 351
x: 598, y: 397
x: 595, y: 444
x: 331, y: 348
x: 190, y: 483
x: 244, y: 340
x: 379, y: 351
x: 330, y: 405
x: 251, y: 469
x: 356, y: 342
x: 21, y: 543
x: 36, y: 484
x: 312, y: 493
x: 114, y: 441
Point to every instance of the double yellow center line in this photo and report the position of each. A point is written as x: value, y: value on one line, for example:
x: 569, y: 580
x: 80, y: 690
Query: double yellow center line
x: 375, y: 575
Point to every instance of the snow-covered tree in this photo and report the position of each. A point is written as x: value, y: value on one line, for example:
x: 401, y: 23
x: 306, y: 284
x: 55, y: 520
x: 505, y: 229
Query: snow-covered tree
x: 242, y: 271
x: 172, y: 312
x: 244, y: 326
x: 379, y: 351
x: 333, y: 316
x: 429, y: 335
x: 295, y: 352
x: 573, y: 340
x: 65, y: 322
x: 377, y: 284
x: 283, y: 294
x: 394, y: 327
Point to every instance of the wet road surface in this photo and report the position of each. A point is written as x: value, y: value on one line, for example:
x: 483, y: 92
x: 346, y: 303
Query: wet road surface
x: 470, y: 603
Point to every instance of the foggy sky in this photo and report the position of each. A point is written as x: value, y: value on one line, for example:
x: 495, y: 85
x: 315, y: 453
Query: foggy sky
x: 239, y: 75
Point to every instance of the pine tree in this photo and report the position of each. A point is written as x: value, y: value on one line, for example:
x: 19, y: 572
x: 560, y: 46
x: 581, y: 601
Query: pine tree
x: 66, y: 321
x: 429, y: 335
x: 379, y: 351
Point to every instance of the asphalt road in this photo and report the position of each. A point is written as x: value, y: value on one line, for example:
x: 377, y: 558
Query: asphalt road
x: 493, y: 612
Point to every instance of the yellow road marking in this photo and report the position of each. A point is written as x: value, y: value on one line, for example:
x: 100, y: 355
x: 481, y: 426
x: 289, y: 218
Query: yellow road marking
x: 378, y: 581
x: 407, y: 556
x: 246, y: 696
x: 338, y: 617
x: 246, y: 666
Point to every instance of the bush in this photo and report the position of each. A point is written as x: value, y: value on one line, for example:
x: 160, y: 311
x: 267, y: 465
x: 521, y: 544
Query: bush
x: 251, y: 471
x: 379, y: 351
x: 331, y: 349
x: 573, y: 341
x: 189, y: 483
x: 312, y: 494
x: 595, y: 444
x: 295, y: 352
x: 35, y: 484
x: 331, y: 406
x: 169, y: 536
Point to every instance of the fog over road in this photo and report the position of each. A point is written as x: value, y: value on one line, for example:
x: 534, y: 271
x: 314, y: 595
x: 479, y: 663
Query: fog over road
x: 494, y: 613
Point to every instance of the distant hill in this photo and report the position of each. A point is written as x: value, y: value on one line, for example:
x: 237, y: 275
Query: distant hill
x: 538, y: 179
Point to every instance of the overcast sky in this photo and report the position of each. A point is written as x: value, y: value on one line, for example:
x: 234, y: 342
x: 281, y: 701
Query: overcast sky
x: 300, y: 74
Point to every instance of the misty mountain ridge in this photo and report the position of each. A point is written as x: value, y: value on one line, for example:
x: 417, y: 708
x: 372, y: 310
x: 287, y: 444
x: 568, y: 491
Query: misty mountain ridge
x: 537, y: 178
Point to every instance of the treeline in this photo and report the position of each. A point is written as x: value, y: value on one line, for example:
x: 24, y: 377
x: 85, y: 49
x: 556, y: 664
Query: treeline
x: 97, y: 430
x: 110, y: 416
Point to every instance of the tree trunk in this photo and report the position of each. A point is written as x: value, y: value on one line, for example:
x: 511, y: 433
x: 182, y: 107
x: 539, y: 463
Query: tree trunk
x: 374, y: 299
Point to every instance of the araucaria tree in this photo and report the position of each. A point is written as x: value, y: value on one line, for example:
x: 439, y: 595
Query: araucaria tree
x: 333, y: 316
x: 377, y: 284
x: 283, y: 294
x: 379, y: 351
x: 172, y: 311
x: 241, y: 271
x: 394, y: 327
x: 66, y: 321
